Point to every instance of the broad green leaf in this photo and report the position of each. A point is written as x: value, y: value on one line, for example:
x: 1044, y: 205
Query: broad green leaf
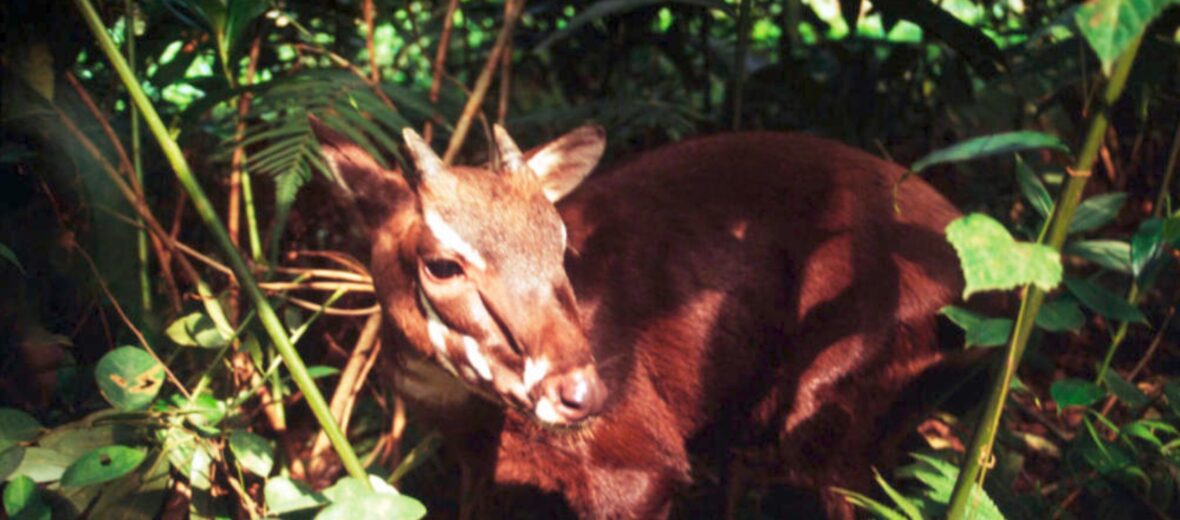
x: 284, y: 495
x: 17, y: 426
x: 991, y: 332
x: 196, y: 330
x: 129, y: 378
x: 1033, y: 189
x: 138, y: 495
x: 253, y: 452
x: 1075, y: 392
x: 992, y: 260
x: 979, y: 330
x: 239, y: 15
x: 1125, y: 391
x: 964, y: 318
x: 1097, y: 211
x: 1146, y: 245
x: 204, y: 411
x: 1111, y: 254
x: 7, y: 254
x: 40, y: 464
x: 102, y: 465
x: 10, y: 459
x: 1103, y: 301
x: 22, y: 500
x: 1061, y: 315
x: 989, y: 145
x: 103, y: 428
x: 351, y: 499
x: 200, y: 470
x: 1109, y: 26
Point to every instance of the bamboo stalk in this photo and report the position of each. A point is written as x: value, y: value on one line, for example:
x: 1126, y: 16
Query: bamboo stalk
x: 266, y: 314
x: 979, y: 454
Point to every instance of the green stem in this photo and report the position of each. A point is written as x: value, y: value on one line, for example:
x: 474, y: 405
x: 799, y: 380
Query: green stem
x: 251, y: 217
x: 980, y: 450
x: 1135, y: 293
x: 141, y: 238
x: 266, y: 314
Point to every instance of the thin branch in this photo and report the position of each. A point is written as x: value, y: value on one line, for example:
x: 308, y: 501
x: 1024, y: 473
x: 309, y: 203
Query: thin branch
x: 511, y: 15
x: 440, y: 60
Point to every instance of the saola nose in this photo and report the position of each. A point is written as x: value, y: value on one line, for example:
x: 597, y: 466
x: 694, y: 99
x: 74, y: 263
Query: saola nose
x: 571, y: 397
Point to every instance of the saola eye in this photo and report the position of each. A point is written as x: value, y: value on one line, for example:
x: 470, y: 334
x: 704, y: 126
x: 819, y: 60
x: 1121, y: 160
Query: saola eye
x: 442, y: 269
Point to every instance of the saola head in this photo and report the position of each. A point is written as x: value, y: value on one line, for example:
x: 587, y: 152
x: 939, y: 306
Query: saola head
x: 468, y: 262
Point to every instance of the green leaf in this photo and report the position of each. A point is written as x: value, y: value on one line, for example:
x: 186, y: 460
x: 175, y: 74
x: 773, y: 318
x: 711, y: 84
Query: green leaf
x: 129, y: 378
x: 964, y: 318
x: 901, y: 501
x: 1171, y: 230
x: 284, y: 495
x: 10, y: 459
x: 196, y: 330
x: 1097, y: 211
x: 991, y: 332
x: 351, y: 499
x: 1075, y: 392
x: 869, y: 504
x: 102, y: 465
x: 22, y: 500
x: 1125, y: 391
x: 992, y: 260
x: 1033, y: 189
x: 1146, y: 245
x: 1109, y: 26
x: 7, y: 254
x: 989, y: 145
x: 17, y: 426
x: 1061, y: 315
x: 1103, y: 301
x: 1111, y: 254
x: 40, y: 464
x: 239, y: 15
x: 138, y: 495
x: 253, y: 452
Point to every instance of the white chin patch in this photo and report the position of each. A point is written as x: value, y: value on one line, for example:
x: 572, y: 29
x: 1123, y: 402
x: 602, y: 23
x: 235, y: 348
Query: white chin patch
x: 546, y: 412
x: 478, y: 362
x: 534, y: 371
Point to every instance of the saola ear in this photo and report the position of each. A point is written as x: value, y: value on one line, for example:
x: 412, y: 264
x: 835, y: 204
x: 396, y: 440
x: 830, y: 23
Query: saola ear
x: 563, y: 163
x: 376, y: 191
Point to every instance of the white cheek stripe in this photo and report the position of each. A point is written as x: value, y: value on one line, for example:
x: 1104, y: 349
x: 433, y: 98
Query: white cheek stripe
x: 546, y: 412
x: 534, y: 372
x: 437, y: 330
x: 451, y: 239
x: 478, y: 362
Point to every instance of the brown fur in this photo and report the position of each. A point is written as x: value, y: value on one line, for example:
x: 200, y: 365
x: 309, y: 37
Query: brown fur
x: 750, y: 293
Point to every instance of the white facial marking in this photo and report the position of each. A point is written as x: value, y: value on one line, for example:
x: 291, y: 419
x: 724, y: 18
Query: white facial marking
x: 581, y: 389
x: 478, y: 362
x: 564, y: 236
x: 437, y: 331
x: 546, y: 412
x: 451, y: 239
x: 534, y: 372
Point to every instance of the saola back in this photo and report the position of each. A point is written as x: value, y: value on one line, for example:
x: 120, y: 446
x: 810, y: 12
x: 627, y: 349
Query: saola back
x: 744, y: 293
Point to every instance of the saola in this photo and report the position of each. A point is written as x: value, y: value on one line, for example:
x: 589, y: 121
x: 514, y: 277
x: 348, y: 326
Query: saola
x: 752, y: 290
